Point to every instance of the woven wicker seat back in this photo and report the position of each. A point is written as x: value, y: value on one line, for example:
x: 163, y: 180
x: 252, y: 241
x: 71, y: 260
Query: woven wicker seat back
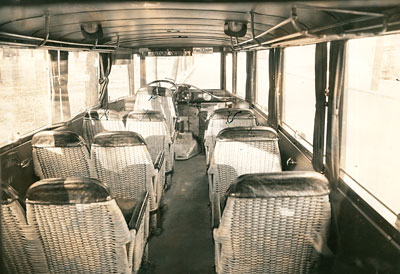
x: 102, y: 114
x: 73, y: 190
x: 224, y: 113
x: 21, y: 249
x: 164, y: 104
x: 61, y: 154
x: 273, y: 232
x: 226, y: 118
x: 250, y: 134
x: 127, y: 170
x: 88, y: 237
x: 97, y: 121
x: 236, y: 157
x: 157, y: 137
x: 118, y: 139
x: 146, y: 115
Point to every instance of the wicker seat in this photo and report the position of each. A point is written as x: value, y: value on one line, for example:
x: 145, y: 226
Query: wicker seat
x: 160, y: 99
x: 21, y: 249
x: 273, y: 223
x: 82, y: 228
x: 241, y: 150
x: 96, y: 121
x: 122, y: 160
x: 224, y: 118
x: 151, y: 125
x: 61, y: 154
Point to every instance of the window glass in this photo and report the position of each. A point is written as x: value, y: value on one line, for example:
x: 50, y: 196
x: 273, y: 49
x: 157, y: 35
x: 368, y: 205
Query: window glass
x: 228, y: 73
x: 371, y: 118
x: 262, y: 79
x: 24, y: 89
x: 200, y: 70
x: 299, y: 93
x: 83, y: 80
x: 119, y: 80
x: 241, y: 75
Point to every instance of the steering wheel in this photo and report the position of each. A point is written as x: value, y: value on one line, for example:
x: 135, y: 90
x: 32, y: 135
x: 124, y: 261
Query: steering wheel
x: 172, y: 83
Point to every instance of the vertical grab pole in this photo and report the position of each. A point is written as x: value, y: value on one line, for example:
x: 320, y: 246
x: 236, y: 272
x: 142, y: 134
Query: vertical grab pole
x: 234, y: 71
x: 223, y: 71
x: 142, y: 70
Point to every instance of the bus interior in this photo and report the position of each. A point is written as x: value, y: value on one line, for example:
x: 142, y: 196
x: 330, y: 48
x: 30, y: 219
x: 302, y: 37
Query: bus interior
x: 199, y: 136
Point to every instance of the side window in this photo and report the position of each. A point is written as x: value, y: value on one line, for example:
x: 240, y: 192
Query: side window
x: 228, y: 72
x: 24, y: 90
x: 83, y: 84
x: 262, y: 90
x: 299, y: 93
x: 119, y: 79
x: 33, y: 98
x: 371, y: 121
x: 241, y: 75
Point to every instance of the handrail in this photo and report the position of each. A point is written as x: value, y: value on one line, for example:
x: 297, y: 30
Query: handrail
x: 27, y: 41
x: 324, y: 36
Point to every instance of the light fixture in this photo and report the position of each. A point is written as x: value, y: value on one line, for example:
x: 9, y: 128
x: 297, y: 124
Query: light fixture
x: 235, y: 28
x: 92, y: 31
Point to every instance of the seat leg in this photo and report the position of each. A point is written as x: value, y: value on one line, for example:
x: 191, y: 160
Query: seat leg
x: 168, y: 181
x: 154, y: 229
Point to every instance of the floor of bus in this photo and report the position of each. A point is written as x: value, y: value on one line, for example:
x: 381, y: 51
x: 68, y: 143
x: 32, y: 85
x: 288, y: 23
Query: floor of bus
x: 185, y: 244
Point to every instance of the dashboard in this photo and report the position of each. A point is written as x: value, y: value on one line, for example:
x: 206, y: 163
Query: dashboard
x: 196, y: 96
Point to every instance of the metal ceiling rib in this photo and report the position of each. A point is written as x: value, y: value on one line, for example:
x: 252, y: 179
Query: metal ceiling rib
x: 142, y: 24
x: 155, y: 24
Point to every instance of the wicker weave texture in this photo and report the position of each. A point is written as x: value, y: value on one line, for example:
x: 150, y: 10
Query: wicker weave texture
x: 91, y: 127
x: 232, y: 159
x: 82, y: 238
x: 63, y: 162
x: 164, y: 104
x: 274, y: 235
x: 156, y: 136
x: 22, y: 251
x: 128, y: 171
x: 145, y: 101
x: 169, y: 112
x: 216, y: 125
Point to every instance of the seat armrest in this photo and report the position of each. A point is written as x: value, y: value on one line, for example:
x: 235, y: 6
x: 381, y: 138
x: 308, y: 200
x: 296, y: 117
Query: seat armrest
x: 174, y: 136
x: 139, y: 212
x: 159, y: 161
x: 217, y: 250
x: 216, y: 210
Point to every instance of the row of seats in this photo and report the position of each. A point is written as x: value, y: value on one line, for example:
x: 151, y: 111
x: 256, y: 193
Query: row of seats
x: 149, y: 124
x: 77, y: 224
x: 235, y: 145
x: 71, y: 225
x: 225, y: 118
x: 265, y: 220
x: 120, y: 159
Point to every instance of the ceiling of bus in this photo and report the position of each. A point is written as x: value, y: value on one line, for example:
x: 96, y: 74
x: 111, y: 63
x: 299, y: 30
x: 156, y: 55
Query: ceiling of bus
x: 165, y: 24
